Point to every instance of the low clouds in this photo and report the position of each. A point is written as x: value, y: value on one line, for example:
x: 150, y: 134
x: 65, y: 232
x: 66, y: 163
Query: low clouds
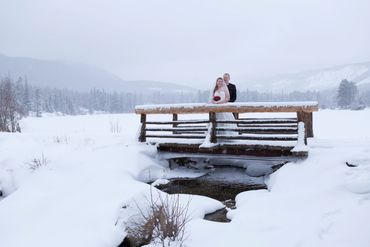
x: 189, y: 41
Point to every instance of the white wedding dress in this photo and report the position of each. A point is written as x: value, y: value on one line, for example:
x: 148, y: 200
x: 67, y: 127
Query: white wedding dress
x: 224, y: 116
x: 220, y: 116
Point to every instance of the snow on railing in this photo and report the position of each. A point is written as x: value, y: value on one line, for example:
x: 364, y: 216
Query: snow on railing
x: 301, y: 141
x: 257, y: 135
x: 308, y: 106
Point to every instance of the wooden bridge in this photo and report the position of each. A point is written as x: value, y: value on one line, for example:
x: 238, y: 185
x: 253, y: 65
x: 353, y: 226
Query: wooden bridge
x: 257, y: 136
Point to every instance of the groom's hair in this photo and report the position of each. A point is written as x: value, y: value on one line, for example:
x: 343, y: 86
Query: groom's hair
x: 227, y: 74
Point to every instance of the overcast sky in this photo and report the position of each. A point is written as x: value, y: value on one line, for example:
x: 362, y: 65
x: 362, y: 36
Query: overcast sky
x: 189, y: 41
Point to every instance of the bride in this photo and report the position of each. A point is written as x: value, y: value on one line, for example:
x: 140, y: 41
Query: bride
x: 221, y: 95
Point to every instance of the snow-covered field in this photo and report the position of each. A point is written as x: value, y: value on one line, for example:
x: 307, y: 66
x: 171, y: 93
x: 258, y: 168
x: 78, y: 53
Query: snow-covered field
x: 92, y: 166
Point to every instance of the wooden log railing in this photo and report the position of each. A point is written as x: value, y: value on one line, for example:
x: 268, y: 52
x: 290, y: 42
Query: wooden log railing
x: 246, y: 129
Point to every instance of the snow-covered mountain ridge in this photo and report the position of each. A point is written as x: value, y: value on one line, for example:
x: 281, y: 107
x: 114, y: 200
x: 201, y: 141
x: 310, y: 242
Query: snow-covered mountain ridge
x: 314, y: 80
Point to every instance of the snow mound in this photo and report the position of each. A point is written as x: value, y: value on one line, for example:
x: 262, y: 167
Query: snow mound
x: 358, y: 178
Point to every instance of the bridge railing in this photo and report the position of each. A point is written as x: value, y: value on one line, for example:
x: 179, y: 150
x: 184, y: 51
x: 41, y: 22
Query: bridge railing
x: 304, y: 112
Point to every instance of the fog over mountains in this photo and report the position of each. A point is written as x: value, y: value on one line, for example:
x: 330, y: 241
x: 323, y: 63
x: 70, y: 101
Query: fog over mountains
x: 314, y: 80
x: 80, y: 77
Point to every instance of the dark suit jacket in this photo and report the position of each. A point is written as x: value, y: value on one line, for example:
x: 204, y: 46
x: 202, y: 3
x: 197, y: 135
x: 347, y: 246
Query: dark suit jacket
x: 232, y: 91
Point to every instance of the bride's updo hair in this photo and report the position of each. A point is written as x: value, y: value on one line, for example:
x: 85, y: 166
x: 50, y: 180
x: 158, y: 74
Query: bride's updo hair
x: 216, y: 86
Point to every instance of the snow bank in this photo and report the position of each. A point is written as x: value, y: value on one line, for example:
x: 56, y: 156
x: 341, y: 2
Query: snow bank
x: 316, y: 202
x: 72, y: 200
x: 77, y: 198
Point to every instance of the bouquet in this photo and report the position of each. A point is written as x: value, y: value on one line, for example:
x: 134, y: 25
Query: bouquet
x: 216, y: 98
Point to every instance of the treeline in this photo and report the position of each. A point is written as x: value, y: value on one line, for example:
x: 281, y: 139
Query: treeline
x: 19, y: 99
x: 32, y: 100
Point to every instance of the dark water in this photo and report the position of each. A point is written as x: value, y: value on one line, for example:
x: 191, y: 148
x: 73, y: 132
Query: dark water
x: 222, y: 183
x: 218, y: 216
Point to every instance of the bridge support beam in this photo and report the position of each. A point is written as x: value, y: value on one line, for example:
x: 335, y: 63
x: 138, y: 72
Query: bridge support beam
x: 213, y: 123
x: 306, y: 117
x: 174, y: 125
x: 142, y: 136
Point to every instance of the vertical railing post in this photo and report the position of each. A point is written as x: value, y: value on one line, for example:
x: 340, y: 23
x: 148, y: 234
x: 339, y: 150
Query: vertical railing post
x: 306, y: 118
x: 213, y: 123
x: 236, y: 116
x: 310, y: 124
x: 174, y: 125
x: 302, y: 134
x: 142, y: 137
x: 305, y: 136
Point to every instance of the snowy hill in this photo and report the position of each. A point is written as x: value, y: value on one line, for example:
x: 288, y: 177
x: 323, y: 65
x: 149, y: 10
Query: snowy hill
x: 58, y: 74
x: 319, y: 80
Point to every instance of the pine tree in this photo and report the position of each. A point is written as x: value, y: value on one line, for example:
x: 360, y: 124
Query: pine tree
x: 19, y: 94
x: 37, y: 103
x: 347, y: 93
x: 26, y: 101
x: 9, y: 107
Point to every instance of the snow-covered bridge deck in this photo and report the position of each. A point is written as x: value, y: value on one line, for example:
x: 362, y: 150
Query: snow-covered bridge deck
x: 264, y: 136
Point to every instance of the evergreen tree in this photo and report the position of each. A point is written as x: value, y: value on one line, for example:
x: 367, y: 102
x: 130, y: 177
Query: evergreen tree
x: 26, y: 101
x: 19, y: 94
x: 9, y: 107
x: 37, y: 103
x: 347, y: 93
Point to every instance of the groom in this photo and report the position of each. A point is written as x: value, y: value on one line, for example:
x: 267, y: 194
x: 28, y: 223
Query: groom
x: 231, y: 87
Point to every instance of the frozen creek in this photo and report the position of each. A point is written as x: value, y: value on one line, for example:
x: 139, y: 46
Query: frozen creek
x: 221, y: 179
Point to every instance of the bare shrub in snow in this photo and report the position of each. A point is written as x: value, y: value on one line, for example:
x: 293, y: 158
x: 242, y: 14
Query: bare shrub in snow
x: 89, y: 141
x: 38, y: 162
x: 161, y: 221
x: 61, y: 140
x: 115, y: 126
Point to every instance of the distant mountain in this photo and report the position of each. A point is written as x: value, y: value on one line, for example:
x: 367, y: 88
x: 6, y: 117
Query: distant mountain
x: 79, y: 77
x: 318, y: 80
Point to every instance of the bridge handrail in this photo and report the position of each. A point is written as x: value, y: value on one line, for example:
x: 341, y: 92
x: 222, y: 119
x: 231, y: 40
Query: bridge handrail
x: 240, y: 107
x: 303, y: 109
